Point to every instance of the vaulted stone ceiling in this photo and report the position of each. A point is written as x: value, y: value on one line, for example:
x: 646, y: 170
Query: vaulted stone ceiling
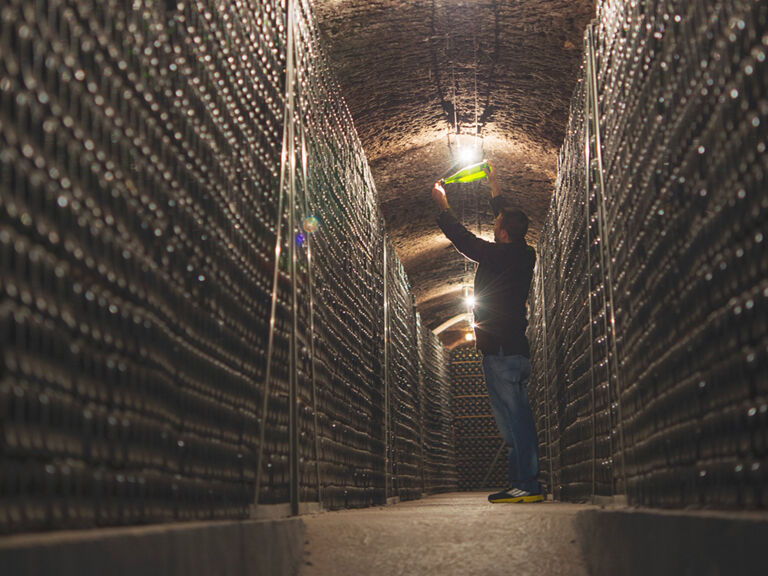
x: 413, y: 73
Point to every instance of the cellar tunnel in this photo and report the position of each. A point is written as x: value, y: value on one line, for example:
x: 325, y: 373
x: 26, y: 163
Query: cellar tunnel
x: 233, y: 339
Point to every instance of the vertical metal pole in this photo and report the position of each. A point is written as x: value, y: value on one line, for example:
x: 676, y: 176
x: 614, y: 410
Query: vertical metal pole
x: 293, y: 416
x: 420, y: 396
x: 420, y: 393
x: 488, y: 472
x: 606, y: 250
x: 287, y: 120
x: 587, y: 185
x: 386, y: 373
x: 546, y: 376
x: 311, y: 292
x: 600, y: 231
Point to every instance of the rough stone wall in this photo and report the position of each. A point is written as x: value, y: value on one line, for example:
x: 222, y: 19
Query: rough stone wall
x: 416, y: 72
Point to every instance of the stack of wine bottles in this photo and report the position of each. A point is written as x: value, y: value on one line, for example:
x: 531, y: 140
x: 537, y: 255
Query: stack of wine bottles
x: 481, y: 454
x: 440, y: 473
x: 649, y: 324
x: 144, y: 183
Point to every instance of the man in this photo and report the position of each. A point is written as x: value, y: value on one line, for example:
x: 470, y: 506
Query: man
x: 502, y: 282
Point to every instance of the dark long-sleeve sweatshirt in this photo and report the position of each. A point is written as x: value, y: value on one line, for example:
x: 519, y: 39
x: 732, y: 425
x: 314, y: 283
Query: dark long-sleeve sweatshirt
x: 502, y: 282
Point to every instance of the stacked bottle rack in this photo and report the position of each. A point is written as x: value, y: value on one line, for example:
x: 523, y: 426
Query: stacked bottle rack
x: 481, y: 454
x: 175, y: 344
x: 657, y: 216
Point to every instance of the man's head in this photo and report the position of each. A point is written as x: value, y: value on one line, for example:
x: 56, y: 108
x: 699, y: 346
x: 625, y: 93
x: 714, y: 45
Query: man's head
x: 511, y: 225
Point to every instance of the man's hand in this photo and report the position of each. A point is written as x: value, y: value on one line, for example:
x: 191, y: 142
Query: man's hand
x: 438, y: 195
x: 491, y: 175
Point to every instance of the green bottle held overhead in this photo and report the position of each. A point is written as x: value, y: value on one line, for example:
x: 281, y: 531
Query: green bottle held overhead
x: 468, y: 174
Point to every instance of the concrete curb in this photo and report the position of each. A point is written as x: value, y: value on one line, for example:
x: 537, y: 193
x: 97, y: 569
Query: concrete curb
x: 631, y: 542
x: 253, y: 548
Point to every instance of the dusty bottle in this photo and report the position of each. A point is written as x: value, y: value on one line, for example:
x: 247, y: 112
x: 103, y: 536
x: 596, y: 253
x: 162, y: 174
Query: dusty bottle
x: 468, y: 174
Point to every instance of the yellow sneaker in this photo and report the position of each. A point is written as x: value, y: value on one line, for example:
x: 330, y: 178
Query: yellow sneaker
x: 515, y: 496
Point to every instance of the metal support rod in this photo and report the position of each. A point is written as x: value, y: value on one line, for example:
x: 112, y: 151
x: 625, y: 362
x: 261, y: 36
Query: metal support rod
x: 587, y: 185
x: 310, y: 290
x: 600, y: 231
x: 386, y: 373
x: 293, y: 396
x: 606, y: 249
x: 287, y: 120
x: 546, y: 376
x: 303, y: 35
x: 488, y: 473
x: 420, y: 395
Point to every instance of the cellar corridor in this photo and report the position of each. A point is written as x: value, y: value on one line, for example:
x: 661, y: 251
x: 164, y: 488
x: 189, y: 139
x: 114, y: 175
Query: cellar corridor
x: 235, y: 340
x: 446, y: 535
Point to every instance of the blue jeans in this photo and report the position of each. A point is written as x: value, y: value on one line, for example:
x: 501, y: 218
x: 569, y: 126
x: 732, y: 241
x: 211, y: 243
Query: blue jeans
x: 506, y: 378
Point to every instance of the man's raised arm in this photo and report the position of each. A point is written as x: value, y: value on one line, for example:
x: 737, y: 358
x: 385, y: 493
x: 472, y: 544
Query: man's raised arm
x: 465, y: 242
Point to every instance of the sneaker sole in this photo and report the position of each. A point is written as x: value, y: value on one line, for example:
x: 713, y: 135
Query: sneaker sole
x: 519, y: 500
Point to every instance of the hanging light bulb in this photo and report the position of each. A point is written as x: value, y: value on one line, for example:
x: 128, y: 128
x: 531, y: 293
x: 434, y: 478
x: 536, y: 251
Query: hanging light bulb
x: 467, y: 154
x: 469, y: 298
x: 469, y: 336
x: 469, y: 149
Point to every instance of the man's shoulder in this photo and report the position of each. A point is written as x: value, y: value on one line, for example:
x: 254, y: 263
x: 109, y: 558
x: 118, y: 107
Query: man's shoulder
x: 518, y: 249
x: 530, y: 256
x: 530, y: 251
x: 515, y: 255
x: 522, y: 255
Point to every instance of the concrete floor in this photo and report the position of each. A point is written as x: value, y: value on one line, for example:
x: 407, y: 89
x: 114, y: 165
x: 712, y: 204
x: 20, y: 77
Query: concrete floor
x: 445, y: 535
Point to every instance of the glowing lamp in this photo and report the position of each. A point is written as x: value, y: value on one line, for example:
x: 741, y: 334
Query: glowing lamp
x: 467, y: 154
